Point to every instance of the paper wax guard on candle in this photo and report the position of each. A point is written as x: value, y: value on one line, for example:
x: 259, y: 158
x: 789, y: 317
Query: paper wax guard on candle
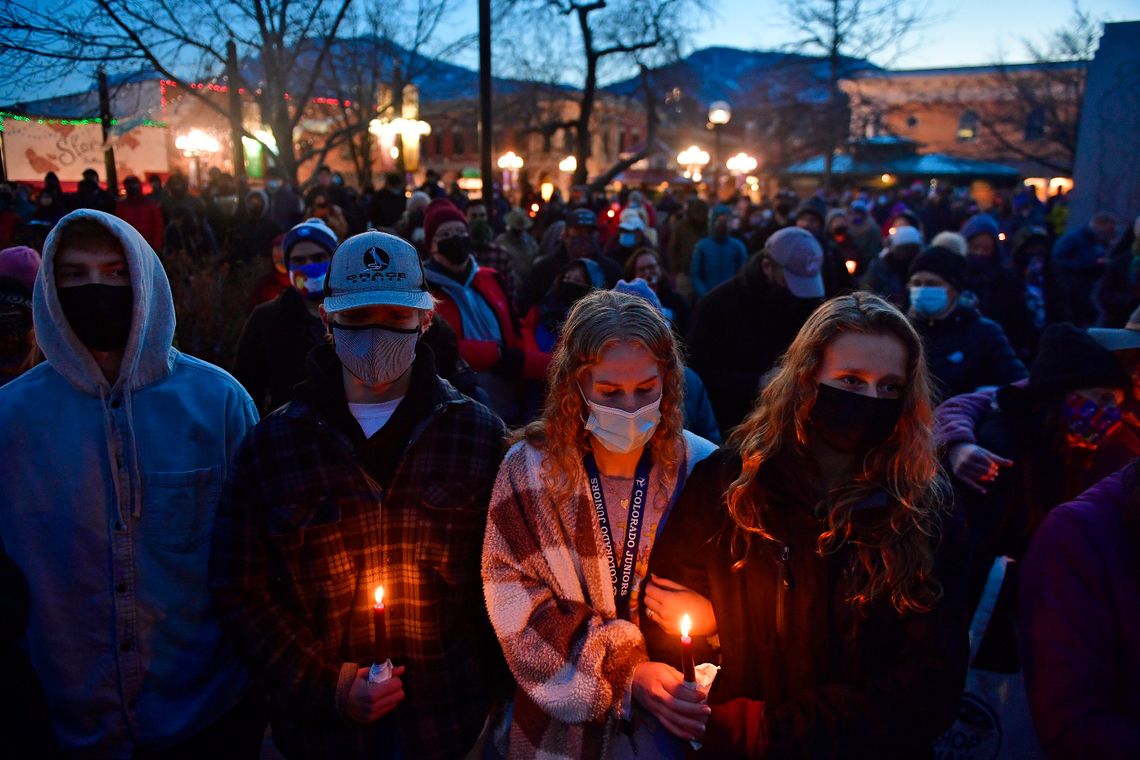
x: 381, y: 665
x: 705, y: 674
x: 687, y: 650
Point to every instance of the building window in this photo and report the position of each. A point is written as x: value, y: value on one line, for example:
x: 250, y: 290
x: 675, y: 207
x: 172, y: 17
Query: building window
x: 968, y: 127
x: 912, y: 121
x: 457, y: 146
x: 1035, y: 125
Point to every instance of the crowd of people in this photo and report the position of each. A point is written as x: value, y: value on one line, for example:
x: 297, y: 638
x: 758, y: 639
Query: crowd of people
x: 401, y: 474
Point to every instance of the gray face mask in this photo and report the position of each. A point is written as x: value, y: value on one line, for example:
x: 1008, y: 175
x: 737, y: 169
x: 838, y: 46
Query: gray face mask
x: 376, y: 355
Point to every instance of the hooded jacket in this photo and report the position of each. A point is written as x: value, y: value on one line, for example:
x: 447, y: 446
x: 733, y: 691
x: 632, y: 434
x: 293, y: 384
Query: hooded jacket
x: 732, y: 361
x: 107, y: 504
x: 1080, y: 623
x: 966, y: 351
x: 804, y: 672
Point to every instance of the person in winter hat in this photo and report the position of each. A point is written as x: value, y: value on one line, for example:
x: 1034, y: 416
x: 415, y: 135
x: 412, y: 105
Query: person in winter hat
x: 699, y: 416
x: 18, y: 351
x: 107, y: 503
x: 577, y: 239
x: 964, y: 350
x: 887, y: 274
x: 141, y: 212
x: 717, y: 257
x: 376, y: 474
x: 952, y: 241
x: 772, y: 296
x: 519, y: 243
x: 474, y: 301
x: 1000, y: 294
x: 271, y: 350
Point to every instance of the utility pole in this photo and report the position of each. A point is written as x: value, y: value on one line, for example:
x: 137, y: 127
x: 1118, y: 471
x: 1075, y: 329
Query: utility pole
x: 237, y: 129
x: 485, y: 132
x: 105, y: 119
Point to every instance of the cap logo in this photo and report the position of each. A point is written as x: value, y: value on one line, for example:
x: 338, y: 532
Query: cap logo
x: 376, y: 259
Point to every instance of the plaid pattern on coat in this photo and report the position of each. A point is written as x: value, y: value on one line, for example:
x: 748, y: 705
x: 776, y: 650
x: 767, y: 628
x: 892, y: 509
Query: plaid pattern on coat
x: 304, y: 536
x: 547, y: 583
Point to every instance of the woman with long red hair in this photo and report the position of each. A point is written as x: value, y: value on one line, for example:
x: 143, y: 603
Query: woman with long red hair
x: 822, y: 539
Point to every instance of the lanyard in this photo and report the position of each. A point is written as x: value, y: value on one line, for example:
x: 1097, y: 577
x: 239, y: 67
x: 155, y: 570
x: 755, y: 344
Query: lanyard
x: 621, y: 571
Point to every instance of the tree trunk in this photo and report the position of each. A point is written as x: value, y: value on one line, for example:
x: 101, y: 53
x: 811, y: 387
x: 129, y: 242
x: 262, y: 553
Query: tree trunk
x: 105, y: 118
x: 237, y: 128
x: 583, y: 136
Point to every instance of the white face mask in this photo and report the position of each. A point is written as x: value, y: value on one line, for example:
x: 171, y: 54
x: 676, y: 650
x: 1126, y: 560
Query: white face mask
x: 619, y: 431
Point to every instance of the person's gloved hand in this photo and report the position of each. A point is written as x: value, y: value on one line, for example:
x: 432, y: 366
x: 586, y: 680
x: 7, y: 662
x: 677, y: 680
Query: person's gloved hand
x: 510, y: 364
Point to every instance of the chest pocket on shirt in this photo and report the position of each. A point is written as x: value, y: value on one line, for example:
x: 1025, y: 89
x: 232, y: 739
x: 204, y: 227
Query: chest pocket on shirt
x: 179, y: 507
x: 312, y: 534
x: 449, y: 533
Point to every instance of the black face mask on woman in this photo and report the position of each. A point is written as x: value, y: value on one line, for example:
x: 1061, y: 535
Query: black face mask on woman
x: 851, y: 422
x: 100, y: 315
x: 455, y: 249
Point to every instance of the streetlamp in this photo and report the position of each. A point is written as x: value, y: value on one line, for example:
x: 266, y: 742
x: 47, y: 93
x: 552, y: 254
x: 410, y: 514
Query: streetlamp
x: 195, y: 144
x: 719, y: 114
x: 510, y: 163
x: 693, y: 159
x: 741, y: 164
x: 569, y: 165
x: 409, y: 131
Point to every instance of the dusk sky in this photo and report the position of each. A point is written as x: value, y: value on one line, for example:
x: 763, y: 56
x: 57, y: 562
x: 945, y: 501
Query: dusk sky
x: 961, y: 33
x: 966, y: 32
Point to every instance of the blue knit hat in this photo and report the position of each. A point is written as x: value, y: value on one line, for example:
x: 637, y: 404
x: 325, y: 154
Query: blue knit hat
x: 313, y: 230
x: 639, y: 287
x: 980, y: 224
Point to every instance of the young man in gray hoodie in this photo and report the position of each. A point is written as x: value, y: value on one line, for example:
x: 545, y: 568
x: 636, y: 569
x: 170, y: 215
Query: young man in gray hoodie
x: 115, y: 451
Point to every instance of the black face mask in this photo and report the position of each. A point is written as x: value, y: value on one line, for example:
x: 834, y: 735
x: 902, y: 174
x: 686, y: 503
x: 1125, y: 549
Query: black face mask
x: 851, y: 422
x: 455, y: 249
x: 100, y: 315
x: 570, y: 292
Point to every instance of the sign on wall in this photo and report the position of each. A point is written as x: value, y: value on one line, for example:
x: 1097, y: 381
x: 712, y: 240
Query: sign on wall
x: 32, y: 149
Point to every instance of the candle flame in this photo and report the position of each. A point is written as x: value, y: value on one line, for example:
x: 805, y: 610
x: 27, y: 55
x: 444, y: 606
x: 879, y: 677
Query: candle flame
x: 379, y: 595
x: 851, y: 266
x: 686, y: 625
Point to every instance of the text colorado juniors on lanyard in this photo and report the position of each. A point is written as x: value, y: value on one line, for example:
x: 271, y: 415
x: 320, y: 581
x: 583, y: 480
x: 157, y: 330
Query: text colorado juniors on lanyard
x: 621, y: 572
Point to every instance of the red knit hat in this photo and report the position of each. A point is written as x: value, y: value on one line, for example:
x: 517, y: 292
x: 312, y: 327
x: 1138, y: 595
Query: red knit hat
x: 439, y: 211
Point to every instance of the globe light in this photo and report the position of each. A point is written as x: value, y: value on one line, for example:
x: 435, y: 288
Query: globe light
x: 719, y: 113
x: 741, y: 163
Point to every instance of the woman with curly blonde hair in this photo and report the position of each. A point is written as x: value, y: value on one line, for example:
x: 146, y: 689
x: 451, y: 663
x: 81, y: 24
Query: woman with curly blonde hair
x: 575, y: 511
x: 821, y: 538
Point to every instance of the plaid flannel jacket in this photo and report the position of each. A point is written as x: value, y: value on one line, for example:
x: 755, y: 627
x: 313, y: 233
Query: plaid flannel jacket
x: 304, y: 536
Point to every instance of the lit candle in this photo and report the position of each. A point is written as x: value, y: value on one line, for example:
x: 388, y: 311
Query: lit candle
x: 851, y: 266
x: 687, y: 651
x: 380, y: 638
x: 381, y: 669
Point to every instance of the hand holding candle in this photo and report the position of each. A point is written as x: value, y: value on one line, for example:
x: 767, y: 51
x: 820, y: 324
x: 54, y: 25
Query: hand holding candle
x: 687, y: 666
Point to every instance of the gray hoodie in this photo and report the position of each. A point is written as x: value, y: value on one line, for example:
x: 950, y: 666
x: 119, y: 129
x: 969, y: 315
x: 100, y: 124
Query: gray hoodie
x: 107, y: 505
